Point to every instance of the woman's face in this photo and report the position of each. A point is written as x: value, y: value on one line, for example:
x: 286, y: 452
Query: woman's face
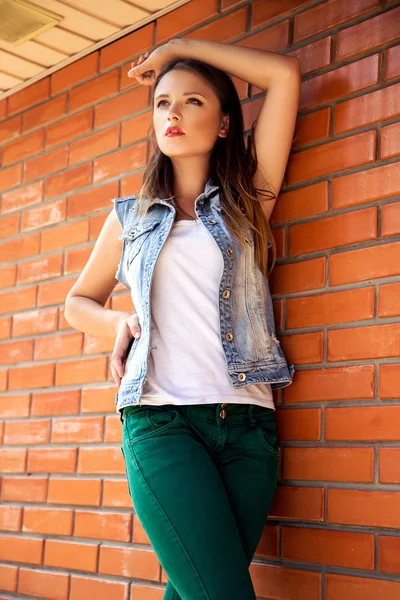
x: 183, y: 99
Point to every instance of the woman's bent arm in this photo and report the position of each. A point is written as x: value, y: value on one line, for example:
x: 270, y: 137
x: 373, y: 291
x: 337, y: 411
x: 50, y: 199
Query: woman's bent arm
x: 87, y: 315
x: 84, y: 305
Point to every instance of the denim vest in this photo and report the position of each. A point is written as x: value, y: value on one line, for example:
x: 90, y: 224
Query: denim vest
x: 252, y: 350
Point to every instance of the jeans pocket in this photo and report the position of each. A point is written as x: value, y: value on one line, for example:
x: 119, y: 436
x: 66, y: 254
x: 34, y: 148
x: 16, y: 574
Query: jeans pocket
x: 147, y: 421
x: 126, y: 471
x: 267, y: 433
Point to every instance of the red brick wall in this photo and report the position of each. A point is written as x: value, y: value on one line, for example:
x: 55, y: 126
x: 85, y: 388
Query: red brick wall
x: 76, y: 139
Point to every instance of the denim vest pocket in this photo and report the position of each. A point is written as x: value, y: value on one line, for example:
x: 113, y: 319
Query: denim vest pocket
x: 134, y: 238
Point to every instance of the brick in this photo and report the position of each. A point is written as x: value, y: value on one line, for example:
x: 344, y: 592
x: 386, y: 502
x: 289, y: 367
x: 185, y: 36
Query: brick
x: 369, y: 34
x: 27, y: 432
x: 44, y: 215
x: 10, y: 129
x: 23, y: 489
x: 35, y: 322
x: 303, y: 348
x: 29, y: 96
x: 127, y: 47
x: 268, y: 546
x: 12, y: 406
x: 344, y: 587
x: 46, y: 163
x: 71, y: 555
x: 329, y: 464
x: 74, y: 73
x: 390, y: 141
x: 12, y: 460
x: 335, y: 383
x: 299, y: 424
x: 77, y: 430
x: 122, y: 106
x: 365, y: 263
x: 116, y: 494
x: 101, y: 589
x: 64, y: 236
x: 23, y: 147
x: 136, y: 128
x: 298, y: 277
x: 313, y: 57
x: 392, y: 63
x: 122, y: 161
x: 365, y: 508
x: 368, y: 109
x: 15, y: 352
x: 273, y: 39
x: 131, y: 184
x: 283, y: 583
x: 103, y: 460
x: 10, y: 518
x: 339, y: 83
x: 327, y: 547
x: 70, y: 128
x: 80, y: 492
x: 55, y: 403
x: 23, y: 196
x: 68, y: 181
x: 389, y: 468
x: 31, y: 377
x: 383, y: 182
x: 316, y: 19
x: 263, y: 12
x: 299, y: 204
x: 86, y: 370
x: 87, y: 202
x: 43, y: 584
x: 129, y: 562
x: 106, y: 525
x: 328, y: 158
x: 390, y: 219
x: 45, y: 113
x: 226, y: 28
x: 185, y: 17
x: 362, y: 423
x: 58, y: 346
x: 376, y: 341
x: 94, y: 91
x: 10, y: 177
x: 52, y: 460
x: 331, y: 308
x: 8, y: 578
x: 21, y: 549
x: 47, y: 521
x: 94, y: 145
x: 389, y: 554
x: 389, y: 380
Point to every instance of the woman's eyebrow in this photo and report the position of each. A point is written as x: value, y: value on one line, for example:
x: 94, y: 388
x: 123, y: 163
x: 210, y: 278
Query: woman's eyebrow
x: 185, y: 94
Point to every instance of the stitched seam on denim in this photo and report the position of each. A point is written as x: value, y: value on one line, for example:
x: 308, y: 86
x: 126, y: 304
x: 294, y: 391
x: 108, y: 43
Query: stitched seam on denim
x: 168, y: 521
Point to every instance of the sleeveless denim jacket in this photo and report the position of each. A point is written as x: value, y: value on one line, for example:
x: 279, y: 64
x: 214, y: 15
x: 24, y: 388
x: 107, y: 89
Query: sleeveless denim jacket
x: 252, y: 350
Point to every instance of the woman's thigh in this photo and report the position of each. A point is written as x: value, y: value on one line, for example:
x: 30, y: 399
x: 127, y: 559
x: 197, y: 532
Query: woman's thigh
x: 183, y: 506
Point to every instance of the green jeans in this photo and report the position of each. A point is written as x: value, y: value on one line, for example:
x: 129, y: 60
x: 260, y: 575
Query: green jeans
x: 202, y: 479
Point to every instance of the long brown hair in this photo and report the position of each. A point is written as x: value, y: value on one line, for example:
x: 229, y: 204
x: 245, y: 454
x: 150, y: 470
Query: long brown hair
x: 232, y: 167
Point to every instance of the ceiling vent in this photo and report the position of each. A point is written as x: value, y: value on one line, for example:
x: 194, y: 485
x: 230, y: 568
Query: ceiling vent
x: 21, y: 20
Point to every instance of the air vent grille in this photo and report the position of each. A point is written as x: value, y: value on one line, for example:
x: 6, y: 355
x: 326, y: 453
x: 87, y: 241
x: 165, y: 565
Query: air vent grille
x: 21, y: 20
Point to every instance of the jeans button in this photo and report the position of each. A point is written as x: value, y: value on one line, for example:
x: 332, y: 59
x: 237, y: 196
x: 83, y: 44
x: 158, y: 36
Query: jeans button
x: 222, y: 414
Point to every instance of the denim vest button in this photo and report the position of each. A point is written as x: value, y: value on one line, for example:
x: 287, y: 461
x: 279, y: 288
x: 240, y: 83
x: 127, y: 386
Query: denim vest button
x: 241, y: 376
x: 230, y: 251
x: 226, y: 293
x: 212, y: 221
x: 229, y: 337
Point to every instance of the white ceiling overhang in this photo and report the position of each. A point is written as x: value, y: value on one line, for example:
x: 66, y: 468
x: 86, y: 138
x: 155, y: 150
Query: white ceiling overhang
x: 40, y: 37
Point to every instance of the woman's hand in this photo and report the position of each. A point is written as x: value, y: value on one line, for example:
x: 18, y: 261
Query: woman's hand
x: 149, y: 65
x: 128, y: 330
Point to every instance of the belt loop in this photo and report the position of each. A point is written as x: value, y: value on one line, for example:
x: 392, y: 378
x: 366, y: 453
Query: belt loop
x: 121, y: 416
x: 252, y: 418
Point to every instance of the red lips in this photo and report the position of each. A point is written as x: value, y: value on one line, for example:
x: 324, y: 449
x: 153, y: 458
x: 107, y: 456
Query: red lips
x: 175, y: 130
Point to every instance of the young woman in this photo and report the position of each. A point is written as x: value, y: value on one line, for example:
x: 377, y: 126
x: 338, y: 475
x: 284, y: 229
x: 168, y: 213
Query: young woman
x: 196, y: 363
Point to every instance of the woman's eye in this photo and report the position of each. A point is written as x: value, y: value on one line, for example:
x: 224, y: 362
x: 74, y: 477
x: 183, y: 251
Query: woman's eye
x: 199, y: 102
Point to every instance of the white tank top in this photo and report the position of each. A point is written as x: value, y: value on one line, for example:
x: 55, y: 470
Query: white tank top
x: 186, y: 362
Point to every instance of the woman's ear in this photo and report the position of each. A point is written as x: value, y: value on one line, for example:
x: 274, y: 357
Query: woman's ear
x: 224, y: 126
